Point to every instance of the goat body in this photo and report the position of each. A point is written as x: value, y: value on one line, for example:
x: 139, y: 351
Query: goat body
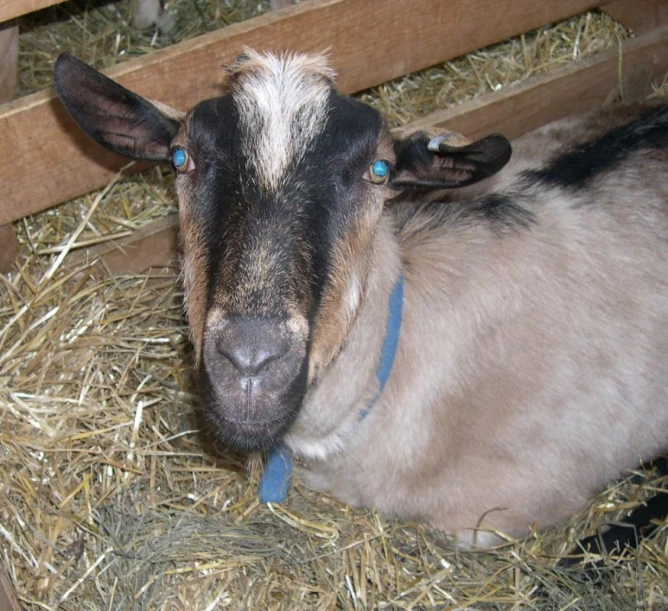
x: 530, y: 368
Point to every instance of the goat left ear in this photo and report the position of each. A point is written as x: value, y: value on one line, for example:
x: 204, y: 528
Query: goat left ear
x: 447, y: 161
x: 113, y: 116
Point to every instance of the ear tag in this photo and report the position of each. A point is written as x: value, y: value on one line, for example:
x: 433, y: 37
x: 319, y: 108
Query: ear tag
x: 452, y: 140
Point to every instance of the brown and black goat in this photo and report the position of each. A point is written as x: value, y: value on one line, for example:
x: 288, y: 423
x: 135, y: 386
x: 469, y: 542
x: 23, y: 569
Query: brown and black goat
x: 528, y: 307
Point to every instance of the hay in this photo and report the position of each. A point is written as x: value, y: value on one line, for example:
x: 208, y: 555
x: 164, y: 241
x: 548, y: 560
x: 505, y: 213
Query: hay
x: 490, y: 69
x: 109, y: 496
x: 101, y: 32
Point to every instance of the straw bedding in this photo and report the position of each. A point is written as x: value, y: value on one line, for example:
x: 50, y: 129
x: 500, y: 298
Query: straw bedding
x: 110, y: 498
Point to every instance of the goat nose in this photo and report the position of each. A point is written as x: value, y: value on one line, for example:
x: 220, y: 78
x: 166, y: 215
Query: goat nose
x: 252, y: 344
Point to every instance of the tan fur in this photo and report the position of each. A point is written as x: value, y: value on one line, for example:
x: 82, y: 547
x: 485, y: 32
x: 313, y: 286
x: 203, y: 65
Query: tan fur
x: 531, y: 365
x: 194, y: 268
x: 191, y: 236
x: 346, y: 288
x: 340, y: 303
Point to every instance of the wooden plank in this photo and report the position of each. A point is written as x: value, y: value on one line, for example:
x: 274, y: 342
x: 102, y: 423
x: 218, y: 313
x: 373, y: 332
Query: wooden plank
x: 15, y: 8
x: 154, y: 245
x: 9, y: 247
x: 371, y: 41
x: 9, y: 54
x: 571, y: 90
x: 512, y: 111
x: 8, y: 599
x: 639, y: 16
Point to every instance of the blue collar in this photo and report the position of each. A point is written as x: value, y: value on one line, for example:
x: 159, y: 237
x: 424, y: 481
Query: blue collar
x: 276, y: 479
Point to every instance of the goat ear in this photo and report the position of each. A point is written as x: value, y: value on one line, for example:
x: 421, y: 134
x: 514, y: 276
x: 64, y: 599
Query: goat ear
x: 113, y: 116
x: 448, y: 160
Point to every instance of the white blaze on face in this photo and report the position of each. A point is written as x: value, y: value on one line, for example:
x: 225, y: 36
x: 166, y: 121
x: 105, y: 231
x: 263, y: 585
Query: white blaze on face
x: 282, y: 103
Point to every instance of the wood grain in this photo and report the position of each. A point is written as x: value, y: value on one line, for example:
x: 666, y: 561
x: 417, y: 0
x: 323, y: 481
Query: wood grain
x: 512, y: 111
x: 639, y: 16
x: 15, y: 8
x: 370, y: 41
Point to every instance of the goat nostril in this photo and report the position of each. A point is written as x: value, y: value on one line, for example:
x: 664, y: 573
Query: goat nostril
x: 249, y: 355
x: 248, y: 361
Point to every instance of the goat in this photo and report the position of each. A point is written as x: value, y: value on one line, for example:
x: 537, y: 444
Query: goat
x: 523, y: 366
x: 152, y: 14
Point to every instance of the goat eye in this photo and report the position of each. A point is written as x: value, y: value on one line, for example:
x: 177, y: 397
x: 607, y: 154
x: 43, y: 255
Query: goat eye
x: 180, y: 159
x: 378, y: 172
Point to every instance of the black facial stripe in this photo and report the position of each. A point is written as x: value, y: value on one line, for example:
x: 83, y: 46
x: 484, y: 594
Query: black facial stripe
x: 214, y: 141
x: 213, y: 131
x: 310, y: 208
x: 337, y: 161
x: 577, y: 167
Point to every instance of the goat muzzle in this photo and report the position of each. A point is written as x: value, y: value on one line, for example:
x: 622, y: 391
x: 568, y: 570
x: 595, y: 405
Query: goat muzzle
x: 253, y: 378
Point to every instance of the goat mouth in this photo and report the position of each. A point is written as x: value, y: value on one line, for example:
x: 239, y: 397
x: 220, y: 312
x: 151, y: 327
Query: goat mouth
x: 247, y: 436
x: 251, y: 413
x: 245, y: 425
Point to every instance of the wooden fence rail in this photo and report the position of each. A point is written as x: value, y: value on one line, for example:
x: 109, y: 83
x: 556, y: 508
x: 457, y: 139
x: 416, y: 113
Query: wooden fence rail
x: 48, y: 160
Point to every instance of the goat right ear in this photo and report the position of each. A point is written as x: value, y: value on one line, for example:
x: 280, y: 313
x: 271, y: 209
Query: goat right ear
x: 112, y: 115
x: 447, y: 160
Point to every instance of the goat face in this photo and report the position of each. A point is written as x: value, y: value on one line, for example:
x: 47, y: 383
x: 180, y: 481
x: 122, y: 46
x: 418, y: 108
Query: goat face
x: 281, y: 183
x: 278, y: 213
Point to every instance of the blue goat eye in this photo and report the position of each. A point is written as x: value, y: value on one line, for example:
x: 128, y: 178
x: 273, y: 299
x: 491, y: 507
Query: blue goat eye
x: 379, y: 171
x: 180, y: 158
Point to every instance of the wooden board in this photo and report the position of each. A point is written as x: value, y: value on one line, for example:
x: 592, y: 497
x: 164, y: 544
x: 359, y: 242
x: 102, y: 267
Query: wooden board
x: 15, y: 8
x: 370, y: 41
x: 152, y: 246
x: 639, y: 16
x: 9, y: 247
x: 512, y: 111
x: 9, y: 53
x: 8, y: 600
